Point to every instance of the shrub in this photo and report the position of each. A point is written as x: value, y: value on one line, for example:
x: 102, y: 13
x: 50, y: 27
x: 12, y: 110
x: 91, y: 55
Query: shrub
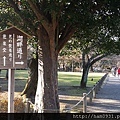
x: 18, y: 105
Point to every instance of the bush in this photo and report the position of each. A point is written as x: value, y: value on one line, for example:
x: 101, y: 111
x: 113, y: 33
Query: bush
x: 18, y: 105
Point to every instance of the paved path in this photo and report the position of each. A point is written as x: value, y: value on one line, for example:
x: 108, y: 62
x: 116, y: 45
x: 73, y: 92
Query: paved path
x: 108, y: 98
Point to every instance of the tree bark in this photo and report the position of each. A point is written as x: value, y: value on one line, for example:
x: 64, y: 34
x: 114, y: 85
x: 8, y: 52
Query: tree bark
x: 49, y: 79
x: 86, y: 66
x: 84, y: 77
x: 31, y: 85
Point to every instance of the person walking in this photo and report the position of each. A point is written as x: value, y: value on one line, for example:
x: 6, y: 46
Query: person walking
x: 115, y: 70
x: 112, y: 70
x: 118, y: 72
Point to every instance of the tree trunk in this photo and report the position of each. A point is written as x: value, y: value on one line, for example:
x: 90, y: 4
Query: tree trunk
x: 46, y: 74
x: 49, y: 78
x: 31, y: 85
x: 86, y: 67
x: 63, y: 65
x: 84, y: 77
x: 72, y: 66
x: 91, y: 68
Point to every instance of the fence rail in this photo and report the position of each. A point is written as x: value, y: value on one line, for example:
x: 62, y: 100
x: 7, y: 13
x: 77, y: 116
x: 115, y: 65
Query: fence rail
x: 91, y: 95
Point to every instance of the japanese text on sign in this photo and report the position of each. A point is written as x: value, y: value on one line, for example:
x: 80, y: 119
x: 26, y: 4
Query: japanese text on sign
x: 13, y: 47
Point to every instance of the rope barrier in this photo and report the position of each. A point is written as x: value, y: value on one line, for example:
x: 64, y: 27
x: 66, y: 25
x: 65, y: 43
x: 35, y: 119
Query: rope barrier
x: 69, y: 109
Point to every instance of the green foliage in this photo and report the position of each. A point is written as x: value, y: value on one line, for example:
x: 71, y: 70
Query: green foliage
x: 83, y: 15
x: 95, y: 22
x: 70, y: 49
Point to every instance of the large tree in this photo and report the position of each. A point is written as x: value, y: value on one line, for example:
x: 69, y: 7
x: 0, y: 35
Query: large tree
x: 91, y: 51
x: 53, y: 22
x: 93, y: 43
x: 95, y: 50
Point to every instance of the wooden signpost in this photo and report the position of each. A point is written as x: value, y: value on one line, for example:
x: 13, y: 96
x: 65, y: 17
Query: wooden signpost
x: 13, y: 55
x: 13, y: 49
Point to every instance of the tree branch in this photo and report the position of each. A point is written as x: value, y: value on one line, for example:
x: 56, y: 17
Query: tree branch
x: 98, y: 58
x: 12, y: 3
x: 63, y: 40
x: 43, y: 20
x: 64, y: 31
x: 24, y: 19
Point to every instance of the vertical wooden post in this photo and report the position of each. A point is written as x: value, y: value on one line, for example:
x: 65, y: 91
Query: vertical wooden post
x: 94, y: 92
x: 84, y: 103
x: 11, y: 84
x: 91, y: 95
x: 97, y: 87
x: 27, y: 106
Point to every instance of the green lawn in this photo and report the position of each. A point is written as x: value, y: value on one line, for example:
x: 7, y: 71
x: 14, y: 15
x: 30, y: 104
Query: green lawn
x: 21, y: 77
x: 68, y: 83
x: 19, y: 74
x: 64, y: 78
x: 73, y: 78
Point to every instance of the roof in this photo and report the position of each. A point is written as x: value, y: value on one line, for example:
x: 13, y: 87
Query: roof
x: 17, y: 29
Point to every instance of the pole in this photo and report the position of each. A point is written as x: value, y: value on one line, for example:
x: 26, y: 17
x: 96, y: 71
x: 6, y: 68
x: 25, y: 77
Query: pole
x: 84, y: 103
x: 11, y: 84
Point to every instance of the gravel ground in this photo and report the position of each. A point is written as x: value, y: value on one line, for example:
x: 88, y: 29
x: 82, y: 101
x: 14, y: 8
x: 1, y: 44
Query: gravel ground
x: 108, y: 98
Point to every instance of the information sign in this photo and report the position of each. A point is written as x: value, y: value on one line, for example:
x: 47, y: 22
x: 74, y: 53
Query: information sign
x: 13, y: 48
x: 13, y: 54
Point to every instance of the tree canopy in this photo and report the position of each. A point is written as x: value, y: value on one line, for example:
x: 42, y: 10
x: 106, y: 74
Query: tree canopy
x: 53, y: 23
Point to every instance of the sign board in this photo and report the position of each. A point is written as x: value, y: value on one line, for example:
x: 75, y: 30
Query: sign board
x: 13, y: 54
x: 13, y: 48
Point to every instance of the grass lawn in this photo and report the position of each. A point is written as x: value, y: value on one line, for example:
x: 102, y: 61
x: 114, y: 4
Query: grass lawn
x: 19, y: 74
x: 70, y: 92
x: 68, y: 82
x: 21, y: 77
x: 73, y: 78
x: 64, y: 78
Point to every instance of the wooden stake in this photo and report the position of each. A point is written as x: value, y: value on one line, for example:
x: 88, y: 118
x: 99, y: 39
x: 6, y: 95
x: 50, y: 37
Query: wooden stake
x: 84, y: 103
